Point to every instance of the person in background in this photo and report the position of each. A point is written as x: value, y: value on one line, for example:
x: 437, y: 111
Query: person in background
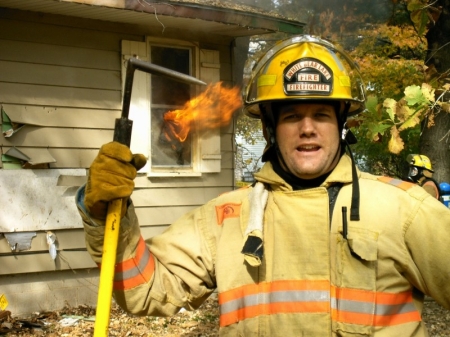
x: 314, y: 248
x: 421, y: 173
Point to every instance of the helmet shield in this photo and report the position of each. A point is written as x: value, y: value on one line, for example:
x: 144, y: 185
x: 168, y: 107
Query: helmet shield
x: 304, y: 68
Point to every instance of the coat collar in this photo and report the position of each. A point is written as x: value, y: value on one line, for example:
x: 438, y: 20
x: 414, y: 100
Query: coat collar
x: 342, y: 173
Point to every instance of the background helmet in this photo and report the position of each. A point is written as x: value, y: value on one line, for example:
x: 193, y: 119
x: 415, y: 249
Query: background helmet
x: 420, y: 165
x: 304, y: 68
x: 420, y: 160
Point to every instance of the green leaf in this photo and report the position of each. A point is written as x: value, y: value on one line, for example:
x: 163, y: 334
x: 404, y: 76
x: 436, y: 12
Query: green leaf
x: 371, y: 104
x: 413, y: 95
x: 420, y: 20
x: 375, y: 129
x: 414, y: 5
x: 419, y: 15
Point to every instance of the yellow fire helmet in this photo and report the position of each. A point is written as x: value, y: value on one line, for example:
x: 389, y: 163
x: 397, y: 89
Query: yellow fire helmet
x: 303, y: 67
x: 419, y: 160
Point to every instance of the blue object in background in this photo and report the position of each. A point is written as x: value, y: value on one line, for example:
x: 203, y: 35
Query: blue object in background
x: 445, y: 190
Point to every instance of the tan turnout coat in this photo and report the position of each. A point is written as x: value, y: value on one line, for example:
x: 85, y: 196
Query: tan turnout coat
x: 311, y: 281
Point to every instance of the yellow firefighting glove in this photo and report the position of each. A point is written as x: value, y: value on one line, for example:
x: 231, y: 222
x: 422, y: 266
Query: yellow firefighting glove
x: 111, y: 176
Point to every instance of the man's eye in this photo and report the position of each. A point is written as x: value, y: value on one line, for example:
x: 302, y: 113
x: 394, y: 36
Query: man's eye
x: 291, y: 116
x: 323, y: 114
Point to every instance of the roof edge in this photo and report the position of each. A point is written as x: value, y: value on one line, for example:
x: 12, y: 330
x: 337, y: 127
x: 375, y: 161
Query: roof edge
x: 244, y: 16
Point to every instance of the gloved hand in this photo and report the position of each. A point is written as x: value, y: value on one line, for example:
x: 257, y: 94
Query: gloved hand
x: 111, y: 176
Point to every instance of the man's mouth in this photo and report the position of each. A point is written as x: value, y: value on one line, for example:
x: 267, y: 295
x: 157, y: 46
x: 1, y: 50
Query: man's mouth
x: 308, y: 148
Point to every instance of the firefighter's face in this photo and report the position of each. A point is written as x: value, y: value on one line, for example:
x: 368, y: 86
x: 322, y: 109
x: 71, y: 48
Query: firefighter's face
x: 308, y: 139
x: 414, y: 173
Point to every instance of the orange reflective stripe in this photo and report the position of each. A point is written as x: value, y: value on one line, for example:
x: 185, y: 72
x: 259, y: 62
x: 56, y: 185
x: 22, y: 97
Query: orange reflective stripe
x: 375, y: 320
x: 345, y: 305
x: 396, y: 319
x: 265, y: 287
x: 373, y: 308
x: 303, y: 296
x: 368, y: 296
x: 353, y: 294
x: 397, y: 298
x: 135, y: 271
x: 270, y: 309
x: 404, y: 185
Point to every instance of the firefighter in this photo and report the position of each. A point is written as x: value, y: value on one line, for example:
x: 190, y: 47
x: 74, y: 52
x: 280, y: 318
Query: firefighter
x: 421, y: 173
x: 314, y: 248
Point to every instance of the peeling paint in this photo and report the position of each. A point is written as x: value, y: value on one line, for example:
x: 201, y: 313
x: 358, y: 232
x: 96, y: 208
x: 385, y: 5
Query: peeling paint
x: 19, y: 241
x: 32, y: 201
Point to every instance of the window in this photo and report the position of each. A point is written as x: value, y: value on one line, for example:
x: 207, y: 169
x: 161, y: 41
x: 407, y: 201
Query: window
x: 153, y: 96
x: 166, y: 95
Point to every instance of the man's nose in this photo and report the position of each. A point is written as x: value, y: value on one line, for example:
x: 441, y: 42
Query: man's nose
x: 306, y: 126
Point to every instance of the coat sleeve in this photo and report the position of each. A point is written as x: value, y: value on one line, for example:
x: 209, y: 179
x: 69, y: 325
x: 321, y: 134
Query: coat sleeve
x: 427, y: 238
x: 159, y: 276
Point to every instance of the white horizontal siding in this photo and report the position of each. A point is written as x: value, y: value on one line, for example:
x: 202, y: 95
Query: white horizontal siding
x: 63, y: 82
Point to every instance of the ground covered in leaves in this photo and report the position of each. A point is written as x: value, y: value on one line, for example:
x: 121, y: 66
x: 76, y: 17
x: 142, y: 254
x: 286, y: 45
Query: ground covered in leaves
x: 202, y: 322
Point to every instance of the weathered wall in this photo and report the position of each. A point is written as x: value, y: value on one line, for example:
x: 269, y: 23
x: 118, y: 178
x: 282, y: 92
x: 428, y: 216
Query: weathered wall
x: 61, y: 77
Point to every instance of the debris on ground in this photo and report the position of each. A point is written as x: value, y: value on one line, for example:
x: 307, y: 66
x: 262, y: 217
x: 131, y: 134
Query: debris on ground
x: 203, y: 322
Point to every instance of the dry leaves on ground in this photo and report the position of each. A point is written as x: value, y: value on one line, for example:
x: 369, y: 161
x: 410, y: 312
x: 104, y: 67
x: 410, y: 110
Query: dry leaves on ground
x: 80, y: 322
x: 203, y: 322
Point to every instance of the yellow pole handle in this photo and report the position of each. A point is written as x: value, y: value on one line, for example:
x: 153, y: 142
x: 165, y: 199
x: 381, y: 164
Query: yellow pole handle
x: 112, y: 228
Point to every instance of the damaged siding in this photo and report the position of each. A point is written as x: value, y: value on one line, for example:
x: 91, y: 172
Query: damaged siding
x: 61, y: 90
x: 61, y: 83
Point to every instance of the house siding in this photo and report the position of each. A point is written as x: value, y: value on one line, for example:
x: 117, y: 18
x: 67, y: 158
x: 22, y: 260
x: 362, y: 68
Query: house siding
x: 61, y: 77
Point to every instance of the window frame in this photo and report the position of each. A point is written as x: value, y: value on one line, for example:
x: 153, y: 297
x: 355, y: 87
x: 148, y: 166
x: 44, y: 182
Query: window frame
x: 205, y: 146
x: 193, y: 169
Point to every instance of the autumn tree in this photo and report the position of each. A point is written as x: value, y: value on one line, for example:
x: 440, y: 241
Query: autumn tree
x: 401, y: 49
x: 435, y: 141
x: 406, y: 79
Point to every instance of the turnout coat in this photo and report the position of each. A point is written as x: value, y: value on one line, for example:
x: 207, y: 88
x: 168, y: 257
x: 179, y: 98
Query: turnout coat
x: 314, y: 278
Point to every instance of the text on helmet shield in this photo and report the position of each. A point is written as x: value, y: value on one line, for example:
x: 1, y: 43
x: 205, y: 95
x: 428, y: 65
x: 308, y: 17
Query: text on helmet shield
x: 307, y: 64
x: 308, y: 76
x: 308, y: 87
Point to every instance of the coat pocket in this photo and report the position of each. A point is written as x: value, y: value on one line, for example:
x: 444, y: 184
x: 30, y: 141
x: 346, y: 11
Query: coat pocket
x: 356, y: 259
x: 354, y: 281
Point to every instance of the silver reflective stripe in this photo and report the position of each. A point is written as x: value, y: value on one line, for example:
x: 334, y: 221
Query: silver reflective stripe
x: 371, y: 308
x: 393, y: 309
x: 275, y: 297
x: 136, y: 270
x: 353, y: 306
x: 396, y: 182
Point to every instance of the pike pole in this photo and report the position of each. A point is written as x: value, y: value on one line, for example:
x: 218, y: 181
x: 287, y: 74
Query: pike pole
x: 122, y: 134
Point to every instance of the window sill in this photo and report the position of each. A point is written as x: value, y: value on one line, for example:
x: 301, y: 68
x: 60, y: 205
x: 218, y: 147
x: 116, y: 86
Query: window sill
x: 174, y: 174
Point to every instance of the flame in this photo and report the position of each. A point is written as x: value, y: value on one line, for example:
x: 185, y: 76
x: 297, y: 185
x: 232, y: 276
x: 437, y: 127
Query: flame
x: 213, y: 108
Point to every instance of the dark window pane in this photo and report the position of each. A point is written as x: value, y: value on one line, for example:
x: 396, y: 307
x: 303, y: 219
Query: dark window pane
x: 166, y: 90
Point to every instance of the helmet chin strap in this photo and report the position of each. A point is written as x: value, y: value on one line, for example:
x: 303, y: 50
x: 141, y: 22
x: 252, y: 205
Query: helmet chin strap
x: 354, y: 208
x: 347, y: 139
